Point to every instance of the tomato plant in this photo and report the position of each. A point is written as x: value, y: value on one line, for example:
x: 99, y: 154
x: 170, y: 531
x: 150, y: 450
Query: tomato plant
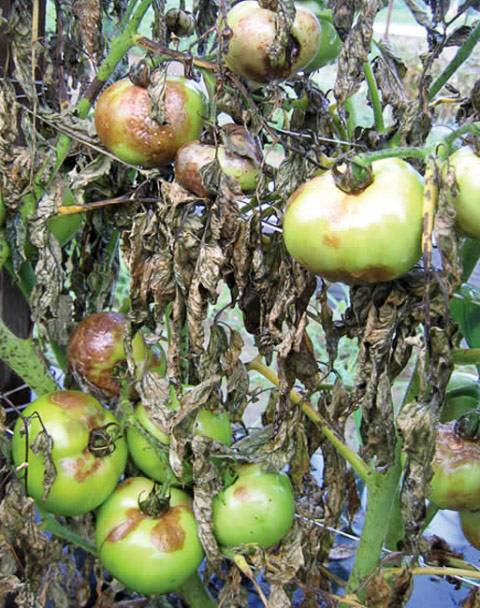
x: 74, y: 458
x: 253, y: 30
x: 193, y: 156
x: 370, y: 236
x: 466, y: 164
x: 147, y: 455
x: 95, y: 349
x: 456, y: 465
x: 124, y: 124
x: 462, y: 396
x: 257, y: 508
x: 150, y: 546
x: 330, y: 43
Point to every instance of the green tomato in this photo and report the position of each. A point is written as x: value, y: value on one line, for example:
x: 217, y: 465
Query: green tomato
x: 254, y: 31
x: 371, y: 236
x: 63, y: 227
x: 462, y: 396
x: 470, y: 523
x: 258, y: 508
x: 148, y: 552
x: 456, y: 470
x: 123, y: 122
x: 87, y: 467
x: 95, y: 348
x: 149, y: 458
x: 330, y: 45
x: 193, y: 156
x: 467, y: 202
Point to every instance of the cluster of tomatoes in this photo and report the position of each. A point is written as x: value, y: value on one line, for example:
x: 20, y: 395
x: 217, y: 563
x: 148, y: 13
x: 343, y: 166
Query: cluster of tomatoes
x: 71, y: 452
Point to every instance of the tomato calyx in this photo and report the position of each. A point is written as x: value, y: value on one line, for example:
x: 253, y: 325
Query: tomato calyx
x: 102, y: 440
x: 468, y: 426
x: 354, y: 178
x: 156, y: 502
x: 139, y: 74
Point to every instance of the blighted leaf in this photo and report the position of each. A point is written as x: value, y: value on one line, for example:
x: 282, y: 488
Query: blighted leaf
x: 355, y: 50
x: 89, y: 15
x: 420, y: 15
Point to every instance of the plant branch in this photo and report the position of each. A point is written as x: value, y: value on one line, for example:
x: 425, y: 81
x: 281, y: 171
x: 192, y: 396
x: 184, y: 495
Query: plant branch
x: 20, y: 354
x: 360, y: 467
x: 466, y: 356
x: 461, y: 56
x: 374, y: 98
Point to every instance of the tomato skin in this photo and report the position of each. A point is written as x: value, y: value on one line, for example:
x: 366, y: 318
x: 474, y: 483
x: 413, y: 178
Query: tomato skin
x: 470, y: 523
x: 456, y: 466
x: 358, y: 238
x: 126, y: 129
x: 144, y: 454
x: 467, y: 202
x: 95, y: 347
x: 258, y: 508
x: 83, y: 481
x: 253, y: 30
x: 192, y: 156
x: 147, y: 554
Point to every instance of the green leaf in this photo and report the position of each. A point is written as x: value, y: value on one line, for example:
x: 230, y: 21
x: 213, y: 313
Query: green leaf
x: 465, y: 308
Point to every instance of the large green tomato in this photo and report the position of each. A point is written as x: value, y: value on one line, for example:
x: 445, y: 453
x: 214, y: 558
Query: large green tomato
x: 462, y: 396
x: 258, y: 508
x: 467, y: 203
x: 193, y: 156
x: 95, y: 348
x: 254, y: 31
x: 124, y: 124
x: 456, y: 470
x: 148, y: 552
x: 358, y: 238
x: 66, y: 437
x: 148, y: 457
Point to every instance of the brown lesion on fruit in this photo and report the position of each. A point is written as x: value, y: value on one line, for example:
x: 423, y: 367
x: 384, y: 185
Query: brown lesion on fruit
x: 133, y: 519
x: 69, y: 400
x: 168, y: 534
x: 81, y: 472
x: 460, y: 451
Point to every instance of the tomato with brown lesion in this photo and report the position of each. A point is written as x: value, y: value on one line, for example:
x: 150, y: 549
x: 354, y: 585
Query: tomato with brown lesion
x: 151, y: 547
x: 68, y: 451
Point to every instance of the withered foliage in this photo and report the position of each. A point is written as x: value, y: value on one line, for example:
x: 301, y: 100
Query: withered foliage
x: 194, y: 263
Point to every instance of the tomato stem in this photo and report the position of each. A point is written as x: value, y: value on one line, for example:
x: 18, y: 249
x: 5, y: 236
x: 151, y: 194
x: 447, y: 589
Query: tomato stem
x: 22, y: 358
x: 195, y: 594
x: 360, y: 467
x: 466, y: 356
x: 374, y: 98
x: 50, y: 524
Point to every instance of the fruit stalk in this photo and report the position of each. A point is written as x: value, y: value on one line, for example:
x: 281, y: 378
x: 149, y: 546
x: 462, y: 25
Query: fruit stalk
x: 194, y: 593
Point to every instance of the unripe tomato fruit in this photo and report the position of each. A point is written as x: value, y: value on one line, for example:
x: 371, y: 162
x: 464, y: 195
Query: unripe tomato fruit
x: 467, y: 202
x: 123, y: 122
x: 358, y: 238
x: 146, y: 456
x: 148, y: 553
x: 456, y: 470
x: 462, y: 396
x: 95, y: 348
x: 254, y: 31
x: 258, y: 508
x: 470, y: 523
x: 192, y: 156
x: 86, y: 472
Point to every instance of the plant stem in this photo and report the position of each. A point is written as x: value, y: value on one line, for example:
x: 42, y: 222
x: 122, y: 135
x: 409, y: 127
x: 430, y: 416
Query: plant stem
x: 381, y: 493
x: 466, y: 356
x: 360, y: 467
x: 461, y: 56
x: 473, y: 127
x: 21, y: 356
x: 369, y: 157
x: 374, y: 98
x: 194, y: 593
x: 50, y: 524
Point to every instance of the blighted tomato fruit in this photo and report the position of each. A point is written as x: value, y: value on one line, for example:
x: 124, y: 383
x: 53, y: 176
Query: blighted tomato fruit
x: 95, y: 349
x: 75, y: 456
x: 371, y: 236
x: 150, y: 546
x: 124, y: 124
